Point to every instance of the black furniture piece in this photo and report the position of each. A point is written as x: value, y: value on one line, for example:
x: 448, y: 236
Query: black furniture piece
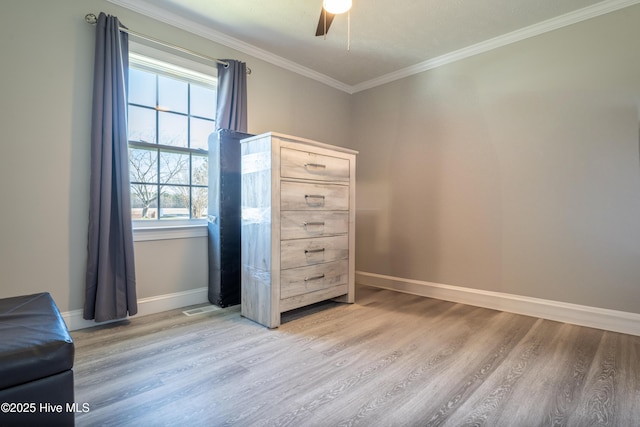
x: 224, y: 217
x: 36, y: 361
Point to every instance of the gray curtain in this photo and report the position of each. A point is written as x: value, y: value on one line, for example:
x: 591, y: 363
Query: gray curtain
x: 231, y: 112
x: 110, y: 282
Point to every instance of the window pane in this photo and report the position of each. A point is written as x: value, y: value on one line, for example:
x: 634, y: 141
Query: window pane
x: 199, y: 170
x: 174, y: 168
x: 142, y: 124
x: 174, y: 202
x: 167, y: 183
x: 199, y: 203
x: 142, y: 87
x: 143, y: 165
x: 144, y: 201
x: 203, y: 102
x: 200, y: 131
x: 172, y: 129
x: 172, y: 94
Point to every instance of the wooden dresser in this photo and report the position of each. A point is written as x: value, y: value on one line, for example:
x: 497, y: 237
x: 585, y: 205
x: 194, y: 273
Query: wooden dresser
x: 298, y: 225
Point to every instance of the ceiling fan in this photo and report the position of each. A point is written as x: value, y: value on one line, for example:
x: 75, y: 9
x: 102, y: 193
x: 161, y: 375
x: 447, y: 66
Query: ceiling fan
x: 331, y: 8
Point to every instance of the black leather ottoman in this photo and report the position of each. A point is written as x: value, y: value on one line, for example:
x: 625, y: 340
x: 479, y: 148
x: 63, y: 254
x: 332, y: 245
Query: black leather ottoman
x: 36, y: 361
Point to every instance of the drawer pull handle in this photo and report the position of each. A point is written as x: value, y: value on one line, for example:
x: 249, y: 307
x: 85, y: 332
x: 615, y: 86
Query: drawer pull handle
x: 314, y: 200
x: 318, y: 277
x: 315, y: 165
x: 313, y: 224
x: 313, y: 251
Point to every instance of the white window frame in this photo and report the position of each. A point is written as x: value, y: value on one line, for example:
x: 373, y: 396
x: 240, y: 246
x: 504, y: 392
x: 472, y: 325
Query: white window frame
x: 156, y: 60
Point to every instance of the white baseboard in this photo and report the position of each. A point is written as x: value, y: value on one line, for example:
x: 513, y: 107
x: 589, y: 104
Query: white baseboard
x: 593, y: 317
x: 150, y: 305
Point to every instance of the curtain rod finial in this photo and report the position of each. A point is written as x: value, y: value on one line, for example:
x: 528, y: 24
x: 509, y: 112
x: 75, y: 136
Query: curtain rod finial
x: 91, y: 18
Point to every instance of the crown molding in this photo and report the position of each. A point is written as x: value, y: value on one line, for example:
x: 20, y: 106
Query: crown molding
x: 561, y: 21
x: 153, y: 11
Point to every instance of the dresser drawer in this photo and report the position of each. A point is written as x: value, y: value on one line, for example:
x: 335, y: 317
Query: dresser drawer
x: 302, y: 280
x: 303, y: 252
x: 305, y: 224
x: 296, y: 196
x: 307, y: 165
x: 298, y: 301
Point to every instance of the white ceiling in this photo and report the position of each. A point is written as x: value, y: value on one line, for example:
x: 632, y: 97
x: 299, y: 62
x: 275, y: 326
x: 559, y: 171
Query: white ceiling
x: 389, y: 39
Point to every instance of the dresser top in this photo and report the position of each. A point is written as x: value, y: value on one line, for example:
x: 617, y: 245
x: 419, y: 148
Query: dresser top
x: 302, y: 140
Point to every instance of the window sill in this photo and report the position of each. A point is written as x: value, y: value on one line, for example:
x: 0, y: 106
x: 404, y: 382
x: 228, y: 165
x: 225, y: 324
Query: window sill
x: 167, y: 232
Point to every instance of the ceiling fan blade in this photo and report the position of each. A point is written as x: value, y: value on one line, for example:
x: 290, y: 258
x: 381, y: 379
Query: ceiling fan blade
x: 320, y: 31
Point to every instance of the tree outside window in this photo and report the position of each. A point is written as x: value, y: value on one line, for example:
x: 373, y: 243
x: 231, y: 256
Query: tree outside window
x: 171, y: 116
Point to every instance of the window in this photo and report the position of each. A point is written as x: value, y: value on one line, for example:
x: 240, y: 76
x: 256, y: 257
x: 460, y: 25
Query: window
x: 170, y: 117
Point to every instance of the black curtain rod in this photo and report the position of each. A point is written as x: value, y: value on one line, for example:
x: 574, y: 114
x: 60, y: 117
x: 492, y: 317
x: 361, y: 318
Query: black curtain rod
x: 92, y: 19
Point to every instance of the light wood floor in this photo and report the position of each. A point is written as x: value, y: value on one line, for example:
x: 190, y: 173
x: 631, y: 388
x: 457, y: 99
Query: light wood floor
x: 390, y: 359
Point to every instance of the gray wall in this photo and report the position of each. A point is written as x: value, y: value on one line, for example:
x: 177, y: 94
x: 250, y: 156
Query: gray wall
x: 47, y: 63
x: 515, y: 171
